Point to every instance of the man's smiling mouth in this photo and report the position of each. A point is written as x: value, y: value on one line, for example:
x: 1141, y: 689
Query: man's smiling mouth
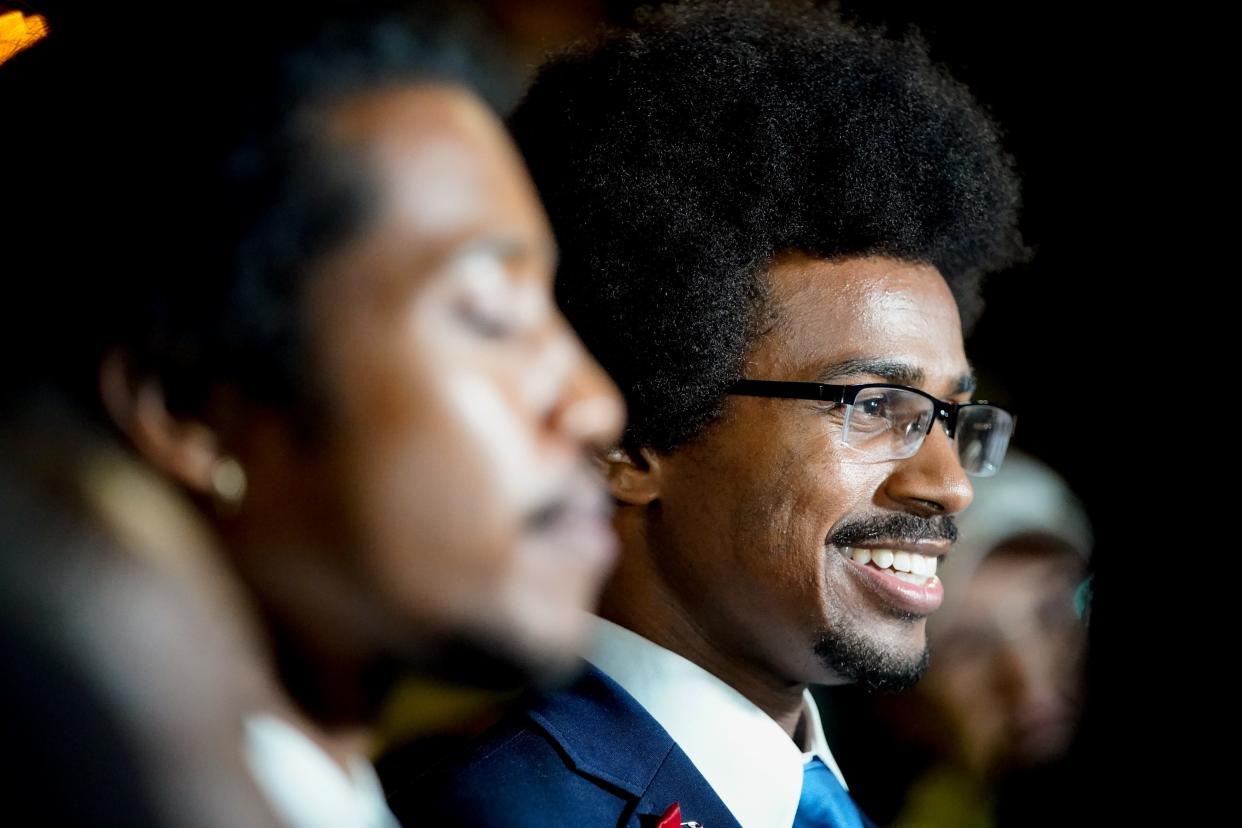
x: 912, y: 567
x: 901, y: 577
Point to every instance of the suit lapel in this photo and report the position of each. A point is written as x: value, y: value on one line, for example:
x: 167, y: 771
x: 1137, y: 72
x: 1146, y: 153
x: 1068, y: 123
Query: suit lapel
x: 608, y: 736
x: 678, y: 780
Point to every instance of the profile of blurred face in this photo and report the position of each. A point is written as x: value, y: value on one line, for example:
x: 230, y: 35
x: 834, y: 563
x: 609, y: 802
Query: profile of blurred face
x: 1007, y: 676
x: 449, y: 501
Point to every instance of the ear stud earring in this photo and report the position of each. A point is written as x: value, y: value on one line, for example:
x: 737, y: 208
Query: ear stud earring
x: 228, y: 483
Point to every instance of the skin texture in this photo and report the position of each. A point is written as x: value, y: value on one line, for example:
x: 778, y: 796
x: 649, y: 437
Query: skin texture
x: 448, y: 508
x: 727, y: 554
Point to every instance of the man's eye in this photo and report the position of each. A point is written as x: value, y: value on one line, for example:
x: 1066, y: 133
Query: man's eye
x: 874, y: 407
x: 872, y: 415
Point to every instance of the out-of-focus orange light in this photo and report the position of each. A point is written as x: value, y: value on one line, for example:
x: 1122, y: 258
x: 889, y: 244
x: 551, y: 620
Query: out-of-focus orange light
x: 17, y: 32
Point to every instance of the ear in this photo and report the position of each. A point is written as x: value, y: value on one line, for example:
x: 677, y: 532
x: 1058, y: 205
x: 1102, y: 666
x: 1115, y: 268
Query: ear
x: 633, y: 475
x: 186, y: 450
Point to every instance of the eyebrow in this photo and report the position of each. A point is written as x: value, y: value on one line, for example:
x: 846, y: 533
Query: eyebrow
x: 894, y: 371
x: 500, y: 246
x: 506, y: 248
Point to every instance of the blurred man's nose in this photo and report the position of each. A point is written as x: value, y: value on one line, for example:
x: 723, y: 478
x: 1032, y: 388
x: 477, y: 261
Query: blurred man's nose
x: 588, y: 410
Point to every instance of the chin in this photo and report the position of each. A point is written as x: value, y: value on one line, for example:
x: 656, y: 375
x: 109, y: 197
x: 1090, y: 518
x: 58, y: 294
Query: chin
x: 521, y: 650
x: 879, y: 664
x: 550, y: 654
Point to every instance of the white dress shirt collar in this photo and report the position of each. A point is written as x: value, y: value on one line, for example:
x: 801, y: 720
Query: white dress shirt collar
x: 747, y: 758
x: 305, y: 787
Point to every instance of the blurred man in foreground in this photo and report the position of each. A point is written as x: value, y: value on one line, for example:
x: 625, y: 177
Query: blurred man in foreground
x: 295, y: 290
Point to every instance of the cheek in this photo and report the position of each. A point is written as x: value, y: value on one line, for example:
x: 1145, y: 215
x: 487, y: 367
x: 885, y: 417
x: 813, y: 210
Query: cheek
x: 437, y: 453
x: 454, y: 547
x: 760, y: 512
x: 812, y: 491
x: 807, y: 582
x: 440, y: 490
x: 456, y: 468
x: 965, y: 697
x: 503, y: 444
x: 800, y: 510
x: 436, y: 528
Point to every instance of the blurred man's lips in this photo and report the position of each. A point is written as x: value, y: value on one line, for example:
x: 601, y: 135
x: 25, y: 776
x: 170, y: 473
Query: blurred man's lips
x: 577, y: 525
x: 901, y: 572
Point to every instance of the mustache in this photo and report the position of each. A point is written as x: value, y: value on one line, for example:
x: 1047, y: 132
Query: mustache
x: 895, y: 527
x: 583, y: 492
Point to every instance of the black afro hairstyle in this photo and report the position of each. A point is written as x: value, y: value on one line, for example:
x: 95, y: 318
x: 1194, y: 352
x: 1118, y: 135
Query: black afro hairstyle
x: 679, y: 157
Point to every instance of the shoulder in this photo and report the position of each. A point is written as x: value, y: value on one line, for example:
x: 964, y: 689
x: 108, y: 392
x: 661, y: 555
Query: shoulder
x: 587, y: 753
x: 515, y: 775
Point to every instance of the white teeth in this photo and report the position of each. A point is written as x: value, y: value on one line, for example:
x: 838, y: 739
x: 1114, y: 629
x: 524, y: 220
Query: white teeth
x: 911, y: 577
x: 909, y: 563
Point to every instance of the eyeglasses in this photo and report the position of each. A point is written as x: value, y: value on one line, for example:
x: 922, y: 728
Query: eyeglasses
x: 884, y: 422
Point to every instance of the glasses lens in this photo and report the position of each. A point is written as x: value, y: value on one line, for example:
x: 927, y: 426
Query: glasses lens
x: 887, y: 423
x: 983, y: 433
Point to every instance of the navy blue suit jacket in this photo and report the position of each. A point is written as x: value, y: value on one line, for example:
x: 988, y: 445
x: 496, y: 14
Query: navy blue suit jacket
x: 589, y: 755
x: 586, y: 757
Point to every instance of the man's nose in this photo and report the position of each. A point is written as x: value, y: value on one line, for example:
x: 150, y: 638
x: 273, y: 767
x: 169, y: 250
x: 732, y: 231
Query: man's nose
x: 931, y: 481
x: 589, y: 409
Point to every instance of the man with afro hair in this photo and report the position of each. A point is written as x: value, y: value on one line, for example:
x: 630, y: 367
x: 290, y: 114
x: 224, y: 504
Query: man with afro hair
x: 760, y: 208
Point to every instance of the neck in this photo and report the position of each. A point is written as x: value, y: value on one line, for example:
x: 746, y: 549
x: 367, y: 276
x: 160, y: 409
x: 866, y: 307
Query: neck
x: 639, y: 598
x: 322, y: 629
x: 340, y: 743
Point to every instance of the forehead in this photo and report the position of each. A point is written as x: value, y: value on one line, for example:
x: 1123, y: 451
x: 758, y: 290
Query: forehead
x: 443, y: 164
x: 826, y: 312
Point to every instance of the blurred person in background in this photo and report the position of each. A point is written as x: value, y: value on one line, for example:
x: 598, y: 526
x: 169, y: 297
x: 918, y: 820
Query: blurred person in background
x: 291, y: 408
x: 761, y: 210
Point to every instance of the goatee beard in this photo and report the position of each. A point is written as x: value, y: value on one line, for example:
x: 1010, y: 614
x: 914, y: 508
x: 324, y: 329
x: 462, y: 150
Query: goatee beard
x: 876, y: 671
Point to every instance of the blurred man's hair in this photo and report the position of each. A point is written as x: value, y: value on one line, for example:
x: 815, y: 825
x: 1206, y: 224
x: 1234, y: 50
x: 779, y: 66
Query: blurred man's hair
x: 166, y: 186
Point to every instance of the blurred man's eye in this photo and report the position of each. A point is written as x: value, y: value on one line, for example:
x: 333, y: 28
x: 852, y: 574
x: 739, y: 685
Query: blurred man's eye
x: 485, y: 323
